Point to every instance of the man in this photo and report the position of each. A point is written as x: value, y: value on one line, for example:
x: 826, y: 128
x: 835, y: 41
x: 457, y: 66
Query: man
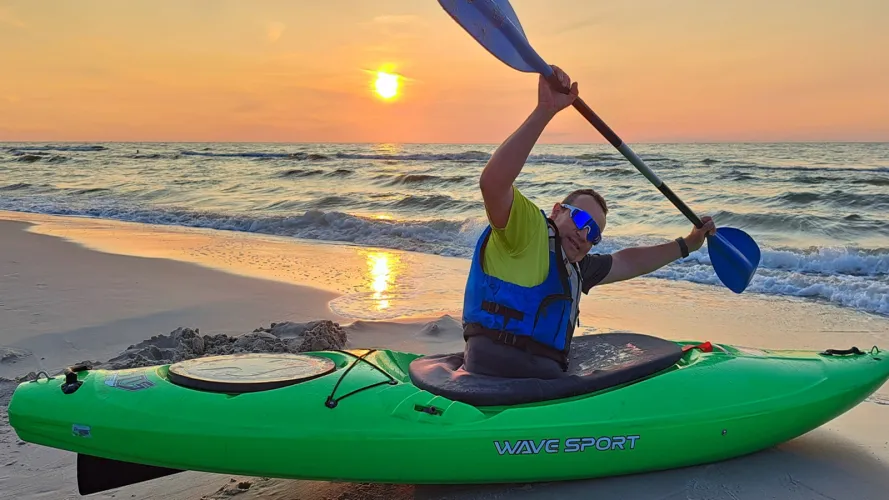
x: 528, y: 270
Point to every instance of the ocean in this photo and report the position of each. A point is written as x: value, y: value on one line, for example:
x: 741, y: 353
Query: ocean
x: 820, y: 212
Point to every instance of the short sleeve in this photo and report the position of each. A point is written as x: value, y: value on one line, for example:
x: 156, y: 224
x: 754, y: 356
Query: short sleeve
x: 593, y: 269
x: 525, y: 225
x: 519, y: 252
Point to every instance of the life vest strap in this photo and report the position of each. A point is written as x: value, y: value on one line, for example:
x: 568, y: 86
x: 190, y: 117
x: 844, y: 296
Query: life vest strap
x: 522, y: 342
x: 507, y: 312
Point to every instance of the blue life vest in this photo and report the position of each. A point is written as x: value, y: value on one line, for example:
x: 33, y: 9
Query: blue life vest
x: 537, y: 319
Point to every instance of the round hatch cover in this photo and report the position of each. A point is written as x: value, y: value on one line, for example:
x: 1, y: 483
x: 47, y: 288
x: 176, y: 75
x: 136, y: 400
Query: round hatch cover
x: 239, y: 373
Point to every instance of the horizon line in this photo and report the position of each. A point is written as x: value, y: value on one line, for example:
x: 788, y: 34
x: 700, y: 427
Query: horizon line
x: 539, y: 143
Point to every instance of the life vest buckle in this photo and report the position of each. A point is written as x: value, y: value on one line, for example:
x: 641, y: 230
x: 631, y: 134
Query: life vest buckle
x: 507, y: 338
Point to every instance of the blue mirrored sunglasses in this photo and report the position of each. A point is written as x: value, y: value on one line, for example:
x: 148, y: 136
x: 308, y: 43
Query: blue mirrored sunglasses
x: 582, y: 220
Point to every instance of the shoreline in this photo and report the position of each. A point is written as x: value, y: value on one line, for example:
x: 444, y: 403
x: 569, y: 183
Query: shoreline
x: 368, y: 283
x: 154, y: 279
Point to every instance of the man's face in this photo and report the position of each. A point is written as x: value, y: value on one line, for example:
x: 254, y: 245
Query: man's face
x: 574, y: 241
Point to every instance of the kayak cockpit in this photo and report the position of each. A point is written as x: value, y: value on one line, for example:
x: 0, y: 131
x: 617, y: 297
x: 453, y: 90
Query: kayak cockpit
x: 597, y: 362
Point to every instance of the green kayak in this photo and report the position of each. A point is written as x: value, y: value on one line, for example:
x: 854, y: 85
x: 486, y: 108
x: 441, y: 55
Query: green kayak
x: 631, y: 403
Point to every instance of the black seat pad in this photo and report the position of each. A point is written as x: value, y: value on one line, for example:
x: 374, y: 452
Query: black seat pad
x: 597, y: 362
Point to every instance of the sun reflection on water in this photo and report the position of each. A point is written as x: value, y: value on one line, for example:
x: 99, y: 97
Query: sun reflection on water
x: 382, y: 267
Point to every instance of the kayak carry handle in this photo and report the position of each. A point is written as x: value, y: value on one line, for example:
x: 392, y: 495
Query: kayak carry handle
x: 842, y: 352
x: 71, y: 383
x: 37, y: 377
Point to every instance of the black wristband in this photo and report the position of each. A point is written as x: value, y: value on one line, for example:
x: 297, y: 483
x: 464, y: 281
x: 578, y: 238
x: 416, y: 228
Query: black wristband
x: 682, y: 246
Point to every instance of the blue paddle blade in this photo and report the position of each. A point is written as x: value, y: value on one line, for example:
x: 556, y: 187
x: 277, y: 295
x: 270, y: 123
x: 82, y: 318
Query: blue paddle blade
x: 735, y: 257
x: 494, y: 24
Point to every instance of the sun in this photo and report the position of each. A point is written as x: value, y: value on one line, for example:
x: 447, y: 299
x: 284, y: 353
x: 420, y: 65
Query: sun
x: 386, y: 85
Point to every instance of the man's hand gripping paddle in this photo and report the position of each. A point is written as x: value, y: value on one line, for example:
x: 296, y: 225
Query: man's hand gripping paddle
x: 494, y: 24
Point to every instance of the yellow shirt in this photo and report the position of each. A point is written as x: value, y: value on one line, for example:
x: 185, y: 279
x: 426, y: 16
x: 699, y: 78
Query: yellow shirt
x: 519, y: 252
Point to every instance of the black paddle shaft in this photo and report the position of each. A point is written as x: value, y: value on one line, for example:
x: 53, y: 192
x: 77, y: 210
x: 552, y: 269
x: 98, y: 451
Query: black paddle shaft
x: 625, y: 150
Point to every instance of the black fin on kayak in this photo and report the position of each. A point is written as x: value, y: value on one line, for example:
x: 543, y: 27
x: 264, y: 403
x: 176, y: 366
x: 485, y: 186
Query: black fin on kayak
x: 96, y: 474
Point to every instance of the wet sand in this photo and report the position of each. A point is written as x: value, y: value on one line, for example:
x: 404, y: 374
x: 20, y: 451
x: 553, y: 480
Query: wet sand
x: 74, y: 289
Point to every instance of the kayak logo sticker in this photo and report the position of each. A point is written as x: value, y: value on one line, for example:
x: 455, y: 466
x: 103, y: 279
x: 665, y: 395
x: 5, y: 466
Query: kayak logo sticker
x: 603, y: 443
x: 129, y: 380
x: 570, y: 445
x: 527, y: 447
x: 83, y: 431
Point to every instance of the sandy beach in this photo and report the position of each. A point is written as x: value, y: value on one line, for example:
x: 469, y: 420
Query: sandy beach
x: 75, y: 289
x: 246, y: 181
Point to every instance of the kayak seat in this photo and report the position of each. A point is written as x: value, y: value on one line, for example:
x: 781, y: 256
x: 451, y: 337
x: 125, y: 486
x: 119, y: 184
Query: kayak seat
x: 596, y: 362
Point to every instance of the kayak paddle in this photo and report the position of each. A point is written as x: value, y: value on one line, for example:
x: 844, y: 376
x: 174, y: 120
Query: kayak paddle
x: 494, y: 24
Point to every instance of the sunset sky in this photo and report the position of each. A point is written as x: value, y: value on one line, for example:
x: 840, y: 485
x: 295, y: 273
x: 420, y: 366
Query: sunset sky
x: 303, y: 71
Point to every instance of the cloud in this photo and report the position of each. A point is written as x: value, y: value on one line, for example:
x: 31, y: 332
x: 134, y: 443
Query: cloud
x: 395, y: 26
x: 396, y: 19
x: 578, y: 24
x: 9, y: 18
x: 274, y: 30
x: 603, y: 15
x: 248, y: 105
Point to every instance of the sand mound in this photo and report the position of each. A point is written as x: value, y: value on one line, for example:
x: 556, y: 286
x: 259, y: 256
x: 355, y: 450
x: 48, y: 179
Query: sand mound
x: 315, y: 335
x: 444, y: 329
x: 186, y: 343
x: 285, y: 337
x: 11, y: 355
x: 234, y: 487
x: 6, y: 389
